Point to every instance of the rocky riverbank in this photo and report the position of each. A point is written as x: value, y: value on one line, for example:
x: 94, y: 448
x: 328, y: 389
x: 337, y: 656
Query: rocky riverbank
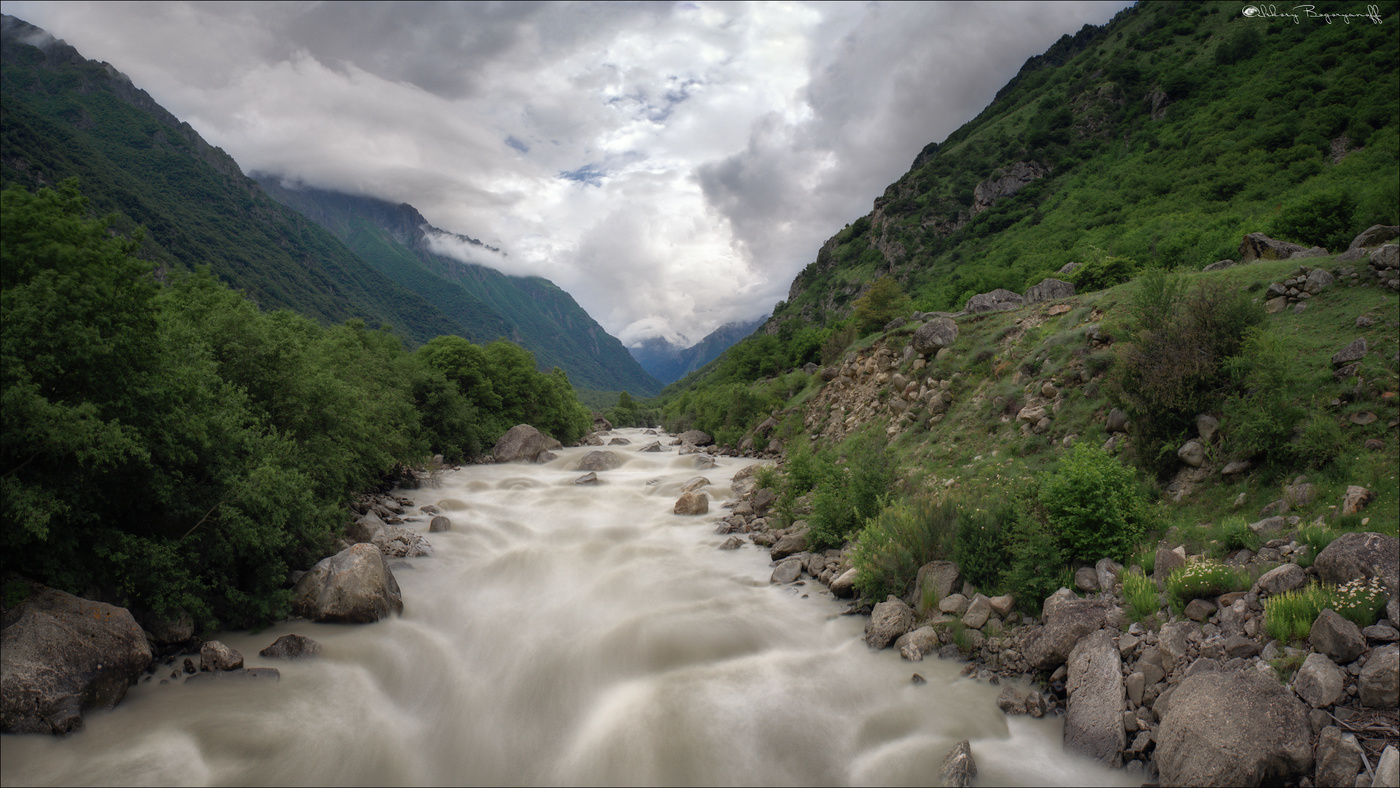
x: 1200, y: 696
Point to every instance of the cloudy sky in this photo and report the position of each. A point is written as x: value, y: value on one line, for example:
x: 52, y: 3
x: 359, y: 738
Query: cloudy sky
x: 671, y: 165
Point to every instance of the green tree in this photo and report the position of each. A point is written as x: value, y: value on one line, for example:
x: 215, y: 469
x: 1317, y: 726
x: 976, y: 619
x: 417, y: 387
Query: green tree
x: 883, y: 302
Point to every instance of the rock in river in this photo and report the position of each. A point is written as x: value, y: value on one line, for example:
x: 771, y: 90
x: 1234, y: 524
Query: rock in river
x: 353, y: 586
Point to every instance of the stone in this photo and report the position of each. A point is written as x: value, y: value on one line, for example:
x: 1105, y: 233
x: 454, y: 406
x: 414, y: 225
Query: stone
x: 792, y: 544
x: 953, y: 604
x: 1002, y: 605
x: 1240, y: 647
x: 395, y: 541
x: 1388, y: 768
x: 1356, y: 499
x: 1378, y: 684
x: 1011, y: 701
x: 933, y: 336
x: 1094, y: 721
x: 732, y: 543
x: 692, y: 503
x: 913, y: 645
x: 1258, y: 246
x: 1206, y: 426
x: 654, y: 446
x: 1381, y: 633
x: 588, y: 478
x: 599, y: 461
x: 1134, y: 684
x: 1318, y: 280
x: 1354, y: 351
x: 1360, y: 555
x: 787, y: 571
x: 978, y: 611
x: 1375, y: 235
x: 1336, y: 637
x: 888, y: 621
x: 1049, y: 290
x: 844, y: 586
x: 1066, y: 623
x: 694, y: 483
x: 353, y: 586
x: 1086, y: 579
x: 1235, y: 468
x: 998, y: 300
x: 1319, y: 681
x: 439, y: 524
x: 958, y: 769
x: 62, y: 656
x: 1173, y: 643
x: 292, y: 647
x: 1167, y: 561
x: 1193, y: 453
x: 523, y: 442
x: 694, y: 438
x: 1233, y: 728
x: 938, y: 578
x: 1199, y: 609
x: 1285, y: 577
x: 214, y: 655
x: 1338, y: 758
x: 239, y: 675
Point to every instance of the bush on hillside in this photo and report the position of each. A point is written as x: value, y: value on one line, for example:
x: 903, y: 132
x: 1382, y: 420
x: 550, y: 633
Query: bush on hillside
x: 1095, y: 505
x: 851, y: 493
x: 1326, y: 219
x: 883, y: 302
x: 898, y: 541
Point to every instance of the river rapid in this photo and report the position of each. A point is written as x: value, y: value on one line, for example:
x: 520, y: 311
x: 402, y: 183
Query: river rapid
x: 567, y: 634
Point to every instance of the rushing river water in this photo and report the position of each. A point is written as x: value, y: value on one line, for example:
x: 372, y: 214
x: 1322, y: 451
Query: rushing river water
x: 569, y: 634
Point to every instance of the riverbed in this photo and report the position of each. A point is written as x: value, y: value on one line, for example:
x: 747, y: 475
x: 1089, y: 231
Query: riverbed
x: 569, y: 634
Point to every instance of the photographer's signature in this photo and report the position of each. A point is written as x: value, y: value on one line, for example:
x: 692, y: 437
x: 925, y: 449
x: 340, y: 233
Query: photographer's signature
x: 1300, y: 12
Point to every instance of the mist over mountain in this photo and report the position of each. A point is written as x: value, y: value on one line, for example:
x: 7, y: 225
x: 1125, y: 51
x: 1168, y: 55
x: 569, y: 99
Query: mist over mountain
x: 668, y: 362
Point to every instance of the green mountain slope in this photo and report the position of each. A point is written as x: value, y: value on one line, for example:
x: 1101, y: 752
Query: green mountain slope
x: 1162, y: 138
x: 668, y: 362
x: 65, y: 116
x: 531, y: 311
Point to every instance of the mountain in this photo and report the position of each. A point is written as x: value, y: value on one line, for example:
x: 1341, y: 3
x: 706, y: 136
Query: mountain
x: 1159, y: 139
x: 668, y: 362
x: 65, y: 116
x: 534, y: 312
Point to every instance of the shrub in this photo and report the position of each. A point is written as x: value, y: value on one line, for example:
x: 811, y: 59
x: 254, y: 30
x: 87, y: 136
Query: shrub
x: 899, y: 540
x: 1203, y: 579
x: 883, y: 302
x: 1141, y: 593
x: 1094, y: 504
x: 981, y: 545
x: 1321, y: 441
x: 1103, y: 272
x: 765, y: 478
x: 1323, y: 219
x: 1238, y: 536
x: 1290, y: 615
x: 1038, y: 566
x: 851, y: 493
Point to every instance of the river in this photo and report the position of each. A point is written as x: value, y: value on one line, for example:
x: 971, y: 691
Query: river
x: 567, y: 634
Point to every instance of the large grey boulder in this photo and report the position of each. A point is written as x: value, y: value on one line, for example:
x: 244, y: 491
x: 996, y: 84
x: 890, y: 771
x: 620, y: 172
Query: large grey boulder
x: 1319, y: 682
x: 936, y: 578
x: 914, y: 644
x: 395, y: 541
x: 1339, y: 759
x: 787, y: 571
x: 792, y: 544
x: 215, y: 655
x: 692, y: 503
x: 1388, y: 768
x: 1258, y: 246
x: 1233, y: 728
x: 1285, y: 577
x: 62, y: 656
x: 292, y: 647
x: 1049, y: 290
x: 599, y: 461
x: 1066, y: 623
x: 935, y: 335
x: 1360, y: 555
x: 978, y: 611
x: 1375, y: 235
x: 1336, y: 637
x: 959, y: 768
x: 888, y: 621
x: 1354, y: 351
x: 998, y: 300
x: 523, y: 442
x: 1097, y: 698
x: 354, y: 586
x: 1378, y: 685
x: 844, y: 585
x: 694, y: 438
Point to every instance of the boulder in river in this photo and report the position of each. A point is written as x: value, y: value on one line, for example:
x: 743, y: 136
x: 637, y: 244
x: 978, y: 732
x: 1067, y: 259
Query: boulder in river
x: 353, y: 586
x: 62, y: 656
x: 439, y: 524
x: 599, y: 461
x: 692, y: 503
x: 693, y: 437
x: 1097, y: 698
x: 959, y: 768
x: 214, y: 655
x: 292, y: 647
x: 888, y: 621
x: 523, y: 442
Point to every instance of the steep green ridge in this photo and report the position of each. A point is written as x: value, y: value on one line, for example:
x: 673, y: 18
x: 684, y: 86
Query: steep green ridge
x: 529, y: 310
x: 66, y: 116
x: 1161, y: 138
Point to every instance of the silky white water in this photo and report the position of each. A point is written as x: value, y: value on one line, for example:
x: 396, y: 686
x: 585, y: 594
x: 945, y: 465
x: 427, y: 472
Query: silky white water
x: 567, y: 634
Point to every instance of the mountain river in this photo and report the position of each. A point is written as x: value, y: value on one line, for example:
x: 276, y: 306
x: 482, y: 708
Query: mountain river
x: 567, y: 634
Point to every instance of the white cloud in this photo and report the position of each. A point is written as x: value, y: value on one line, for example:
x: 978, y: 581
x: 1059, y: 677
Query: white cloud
x: 714, y: 146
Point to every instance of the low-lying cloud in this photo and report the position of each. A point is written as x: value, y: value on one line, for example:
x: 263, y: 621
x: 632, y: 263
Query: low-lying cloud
x: 671, y: 166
